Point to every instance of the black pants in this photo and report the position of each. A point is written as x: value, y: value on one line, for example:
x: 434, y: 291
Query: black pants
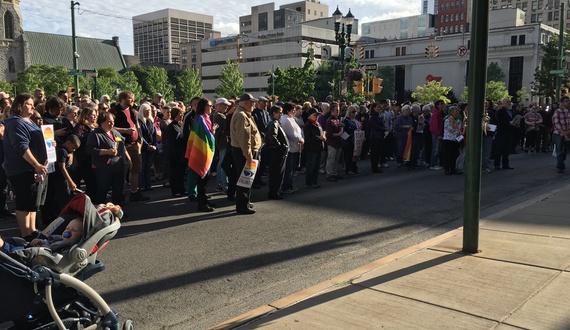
x: 275, y: 160
x: 348, y: 151
x: 177, y: 170
x: 503, y: 145
x: 230, y: 168
x: 376, y: 151
x: 242, y: 194
x: 201, y: 187
x: 449, y: 154
x: 3, y: 189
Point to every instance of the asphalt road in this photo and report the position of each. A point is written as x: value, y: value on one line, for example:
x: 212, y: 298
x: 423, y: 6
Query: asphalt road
x: 170, y: 267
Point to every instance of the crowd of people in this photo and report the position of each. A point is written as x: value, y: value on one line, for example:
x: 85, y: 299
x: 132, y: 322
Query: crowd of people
x: 101, y: 144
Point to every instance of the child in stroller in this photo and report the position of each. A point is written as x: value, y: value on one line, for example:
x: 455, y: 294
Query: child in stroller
x: 27, y: 276
x: 70, y: 236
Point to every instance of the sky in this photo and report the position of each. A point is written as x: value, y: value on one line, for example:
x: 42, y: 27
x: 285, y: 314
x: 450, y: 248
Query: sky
x: 104, y: 19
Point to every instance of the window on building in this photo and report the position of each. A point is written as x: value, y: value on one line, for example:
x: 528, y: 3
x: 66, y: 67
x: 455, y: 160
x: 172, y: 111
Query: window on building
x: 462, y: 16
x: 513, y: 40
x: 451, y: 17
x: 540, y: 3
x: 522, y: 38
x: 452, y: 5
x: 401, y: 51
x: 525, y: 6
x: 308, y: 12
x: 8, y: 25
x: 193, y: 58
x: 539, y: 17
x: 550, y: 16
x: 556, y: 15
x: 533, y: 18
x: 441, y: 18
x: 534, y: 5
x: 11, y: 65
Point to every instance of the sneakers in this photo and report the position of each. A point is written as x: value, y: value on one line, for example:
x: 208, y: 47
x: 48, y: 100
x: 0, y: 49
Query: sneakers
x: 321, y: 171
x: 289, y: 191
x: 487, y: 170
x: 436, y: 167
x: 138, y: 197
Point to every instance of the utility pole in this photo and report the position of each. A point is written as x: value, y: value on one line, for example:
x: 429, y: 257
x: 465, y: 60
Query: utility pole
x: 476, y: 83
x: 560, y: 52
x: 74, y: 43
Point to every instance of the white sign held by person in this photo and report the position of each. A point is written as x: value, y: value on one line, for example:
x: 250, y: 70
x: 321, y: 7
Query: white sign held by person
x: 248, y: 174
x: 358, y: 140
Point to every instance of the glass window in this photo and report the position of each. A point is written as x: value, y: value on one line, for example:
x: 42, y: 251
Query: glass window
x: 8, y: 26
x: 11, y: 65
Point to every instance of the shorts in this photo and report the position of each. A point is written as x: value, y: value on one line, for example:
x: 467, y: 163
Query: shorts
x: 134, y: 151
x: 29, y: 194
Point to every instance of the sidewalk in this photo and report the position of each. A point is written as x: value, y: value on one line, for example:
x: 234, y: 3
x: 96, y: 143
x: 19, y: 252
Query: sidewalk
x: 519, y: 280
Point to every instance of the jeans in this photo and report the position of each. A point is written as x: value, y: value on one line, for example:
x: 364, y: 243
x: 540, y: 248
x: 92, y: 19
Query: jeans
x: 221, y: 178
x: 332, y: 160
x: 290, y: 166
x: 312, y: 167
x: 561, y: 150
x: 435, y: 149
x: 146, y: 164
x: 487, y: 147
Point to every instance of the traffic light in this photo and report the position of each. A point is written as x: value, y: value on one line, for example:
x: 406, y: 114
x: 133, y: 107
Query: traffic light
x: 428, y: 52
x: 377, y: 85
x: 435, y: 52
x: 71, y: 93
x: 239, y: 53
x: 361, y: 54
x: 358, y: 87
x: 352, y: 53
x: 563, y: 91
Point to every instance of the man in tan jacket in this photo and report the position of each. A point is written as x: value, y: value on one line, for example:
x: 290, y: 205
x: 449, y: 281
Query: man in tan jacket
x: 246, y: 143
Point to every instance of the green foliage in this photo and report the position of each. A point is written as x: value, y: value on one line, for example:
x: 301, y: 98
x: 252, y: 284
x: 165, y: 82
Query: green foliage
x: 388, y: 74
x: 522, y: 94
x: 231, y: 81
x: 294, y: 83
x: 494, y: 90
x: 107, y: 85
x: 129, y: 82
x: 544, y: 83
x: 325, y: 78
x: 152, y: 80
x: 110, y: 73
x: 431, y: 92
x: 188, y: 84
x: 494, y: 72
x: 6, y: 87
x: 51, y: 79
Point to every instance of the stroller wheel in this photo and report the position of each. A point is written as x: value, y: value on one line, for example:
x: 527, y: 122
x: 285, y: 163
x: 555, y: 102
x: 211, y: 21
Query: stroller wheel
x: 129, y: 325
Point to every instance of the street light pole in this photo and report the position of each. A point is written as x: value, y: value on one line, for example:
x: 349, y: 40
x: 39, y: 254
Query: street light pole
x: 74, y: 45
x: 342, y: 38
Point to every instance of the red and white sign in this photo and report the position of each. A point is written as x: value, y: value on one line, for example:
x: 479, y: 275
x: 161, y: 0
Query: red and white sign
x: 462, y: 50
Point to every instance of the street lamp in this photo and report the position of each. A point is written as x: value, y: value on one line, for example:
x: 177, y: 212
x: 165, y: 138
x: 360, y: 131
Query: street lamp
x: 342, y: 37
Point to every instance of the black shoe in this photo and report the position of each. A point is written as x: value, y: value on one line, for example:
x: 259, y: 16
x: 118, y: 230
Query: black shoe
x: 447, y: 173
x: 192, y: 198
x: 497, y: 167
x: 377, y: 170
x: 138, y: 197
x: 276, y: 196
x: 5, y: 214
x: 508, y: 168
x: 457, y: 172
x: 332, y: 179
x: 560, y: 170
x: 339, y: 177
x: 210, y: 204
x: 205, y: 208
x: 231, y: 198
x: 32, y: 236
x: 245, y: 211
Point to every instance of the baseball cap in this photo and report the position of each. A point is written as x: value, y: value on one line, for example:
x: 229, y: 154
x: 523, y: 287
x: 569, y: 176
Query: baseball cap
x: 261, y: 98
x: 223, y: 100
x: 247, y: 97
x: 157, y: 94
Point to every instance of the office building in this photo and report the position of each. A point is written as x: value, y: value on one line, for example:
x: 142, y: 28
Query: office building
x: 543, y: 11
x: 401, y: 28
x: 157, y: 35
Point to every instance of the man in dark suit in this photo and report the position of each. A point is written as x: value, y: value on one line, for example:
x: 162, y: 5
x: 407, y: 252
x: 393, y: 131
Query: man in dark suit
x: 504, y: 135
x: 262, y: 119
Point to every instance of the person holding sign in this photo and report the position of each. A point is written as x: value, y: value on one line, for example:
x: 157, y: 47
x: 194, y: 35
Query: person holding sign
x: 246, y: 143
x: 25, y: 157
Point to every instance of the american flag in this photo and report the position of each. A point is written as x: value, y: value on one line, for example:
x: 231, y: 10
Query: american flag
x: 546, y: 6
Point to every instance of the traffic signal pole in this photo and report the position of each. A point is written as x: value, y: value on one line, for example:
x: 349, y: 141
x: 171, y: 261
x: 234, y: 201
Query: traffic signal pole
x: 476, y: 84
x: 74, y: 44
x: 560, y: 52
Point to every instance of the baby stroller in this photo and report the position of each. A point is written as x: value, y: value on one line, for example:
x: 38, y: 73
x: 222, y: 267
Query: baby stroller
x: 44, y: 290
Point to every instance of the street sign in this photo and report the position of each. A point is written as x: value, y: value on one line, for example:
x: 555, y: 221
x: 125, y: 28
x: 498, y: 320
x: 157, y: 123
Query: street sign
x: 75, y: 73
x: 462, y: 50
x: 559, y: 72
x: 371, y: 67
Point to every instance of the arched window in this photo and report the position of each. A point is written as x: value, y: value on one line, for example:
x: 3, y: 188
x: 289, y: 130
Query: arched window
x: 8, y: 25
x: 11, y: 65
x: 462, y: 16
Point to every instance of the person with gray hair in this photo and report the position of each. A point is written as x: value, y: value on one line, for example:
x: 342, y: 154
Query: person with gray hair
x: 419, y: 126
x: 450, y: 144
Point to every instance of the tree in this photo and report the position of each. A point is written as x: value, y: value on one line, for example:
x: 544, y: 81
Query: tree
x: 129, y: 82
x: 494, y: 90
x: 325, y: 78
x: 544, y: 83
x: 188, y: 84
x: 158, y: 83
x: 494, y: 72
x: 294, y: 83
x: 6, y: 87
x: 51, y: 79
x: 231, y: 81
x: 431, y: 92
x: 522, y: 94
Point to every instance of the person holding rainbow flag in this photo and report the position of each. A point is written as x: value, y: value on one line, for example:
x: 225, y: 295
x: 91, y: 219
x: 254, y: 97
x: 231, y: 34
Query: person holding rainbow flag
x: 200, y: 151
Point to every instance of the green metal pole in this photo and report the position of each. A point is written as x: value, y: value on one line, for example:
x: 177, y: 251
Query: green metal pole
x: 560, y: 51
x: 476, y: 85
x: 95, y: 92
x: 74, y: 43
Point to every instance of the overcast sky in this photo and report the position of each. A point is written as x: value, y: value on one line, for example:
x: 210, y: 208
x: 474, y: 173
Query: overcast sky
x: 107, y: 18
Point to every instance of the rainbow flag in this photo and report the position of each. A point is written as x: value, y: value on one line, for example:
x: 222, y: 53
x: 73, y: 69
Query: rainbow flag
x: 200, y: 146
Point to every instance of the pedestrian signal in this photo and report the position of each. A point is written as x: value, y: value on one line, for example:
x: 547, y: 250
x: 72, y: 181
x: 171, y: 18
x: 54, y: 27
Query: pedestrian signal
x: 435, y: 52
x: 71, y: 92
x: 377, y: 85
